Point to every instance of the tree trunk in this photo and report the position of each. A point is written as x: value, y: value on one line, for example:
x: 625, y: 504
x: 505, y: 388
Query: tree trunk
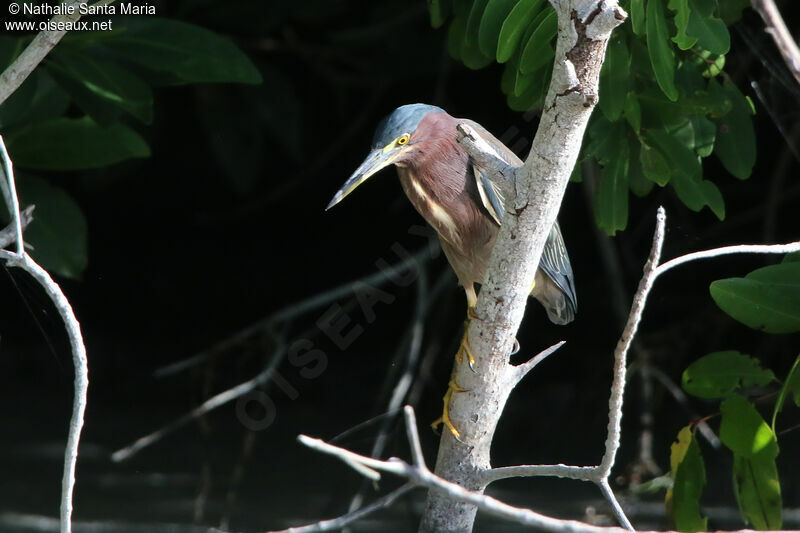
x: 584, y: 27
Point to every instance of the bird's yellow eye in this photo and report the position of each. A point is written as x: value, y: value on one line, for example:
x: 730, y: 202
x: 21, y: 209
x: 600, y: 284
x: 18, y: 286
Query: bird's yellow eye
x: 402, y: 140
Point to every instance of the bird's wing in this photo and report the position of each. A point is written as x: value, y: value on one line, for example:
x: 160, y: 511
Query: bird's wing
x: 555, y: 260
x: 491, y: 196
x: 555, y: 263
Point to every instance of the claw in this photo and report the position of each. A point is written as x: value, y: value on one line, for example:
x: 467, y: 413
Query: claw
x: 465, y: 349
x: 445, y: 418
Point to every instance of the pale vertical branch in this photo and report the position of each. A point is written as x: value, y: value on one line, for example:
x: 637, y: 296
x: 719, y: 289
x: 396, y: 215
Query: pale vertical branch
x: 81, y: 381
x: 624, y: 344
x: 584, y: 27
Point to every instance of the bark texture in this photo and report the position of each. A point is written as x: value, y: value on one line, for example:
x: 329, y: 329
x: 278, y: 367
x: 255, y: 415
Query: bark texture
x: 584, y: 27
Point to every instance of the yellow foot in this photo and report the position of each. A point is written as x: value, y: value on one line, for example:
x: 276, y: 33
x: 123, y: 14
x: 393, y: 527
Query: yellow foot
x: 464, y: 348
x: 445, y: 418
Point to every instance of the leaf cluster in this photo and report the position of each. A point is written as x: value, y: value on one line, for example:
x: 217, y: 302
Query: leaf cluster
x: 665, y: 100
x: 767, y: 299
x: 83, y: 107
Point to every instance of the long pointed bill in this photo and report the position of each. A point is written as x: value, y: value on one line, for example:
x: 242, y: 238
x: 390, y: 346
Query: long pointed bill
x: 375, y: 161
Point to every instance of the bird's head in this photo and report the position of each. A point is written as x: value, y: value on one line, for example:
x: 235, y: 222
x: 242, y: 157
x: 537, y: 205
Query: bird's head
x: 393, y: 142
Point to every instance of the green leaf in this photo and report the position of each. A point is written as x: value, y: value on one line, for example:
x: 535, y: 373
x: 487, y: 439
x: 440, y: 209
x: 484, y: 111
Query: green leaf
x: 493, y: 17
x: 654, y: 165
x: 718, y: 374
x: 509, y: 77
x: 74, y: 144
x: 685, y: 176
x: 633, y: 111
x: 180, y: 52
x: 438, y: 11
x: 791, y: 258
x: 730, y: 11
x: 767, y: 299
x: 538, y: 51
x: 474, y: 22
x: 611, y: 196
x: 58, y: 232
x: 39, y: 98
x: 791, y: 385
x: 705, y: 132
x: 736, y: 138
x: 743, y: 430
x: 94, y: 82
x: 614, y: 79
x: 16, y: 107
x: 533, y: 97
x: 514, y: 27
x: 640, y: 186
x: 662, y: 57
x: 682, y: 14
x: 711, y: 33
x: 689, y: 477
x: 637, y: 16
x: 758, y: 491
x: 455, y: 36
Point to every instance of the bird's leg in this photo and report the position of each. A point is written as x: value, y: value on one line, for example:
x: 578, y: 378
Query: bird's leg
x: 464, y: 349
x: 445, y: 418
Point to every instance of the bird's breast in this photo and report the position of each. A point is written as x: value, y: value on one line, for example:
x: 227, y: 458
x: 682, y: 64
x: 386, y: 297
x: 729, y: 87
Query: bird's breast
x: 433, y: 209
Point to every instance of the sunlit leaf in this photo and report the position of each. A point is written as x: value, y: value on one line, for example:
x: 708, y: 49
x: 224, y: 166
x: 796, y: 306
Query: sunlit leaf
x: 514, y: 27
x: 767, y: 299
x: 744, y: 431
x: 537, y: 52
x: 682, y: 14
x: 493, y: 17
x: 758, y: 490
x: 689, y: 477
x: 718, y: 374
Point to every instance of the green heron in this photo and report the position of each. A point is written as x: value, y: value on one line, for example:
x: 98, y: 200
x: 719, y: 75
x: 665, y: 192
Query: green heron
x: 464, y: 206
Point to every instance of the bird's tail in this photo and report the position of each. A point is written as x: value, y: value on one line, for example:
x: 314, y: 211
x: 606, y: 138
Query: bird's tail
x: 560, y: 307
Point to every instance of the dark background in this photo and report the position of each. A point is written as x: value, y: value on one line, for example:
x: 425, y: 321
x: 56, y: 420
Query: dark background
x: 225, y: 225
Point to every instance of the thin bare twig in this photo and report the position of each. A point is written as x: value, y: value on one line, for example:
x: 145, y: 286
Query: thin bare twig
x: 81, y: 382
x: 300, y: 308
x: 349, y: 518
x: 624, y: 344
x: 780, y: 34
x: 207, y: 406
x: 9, y: 233
x: 18, y: 71
x: 727, y: 250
